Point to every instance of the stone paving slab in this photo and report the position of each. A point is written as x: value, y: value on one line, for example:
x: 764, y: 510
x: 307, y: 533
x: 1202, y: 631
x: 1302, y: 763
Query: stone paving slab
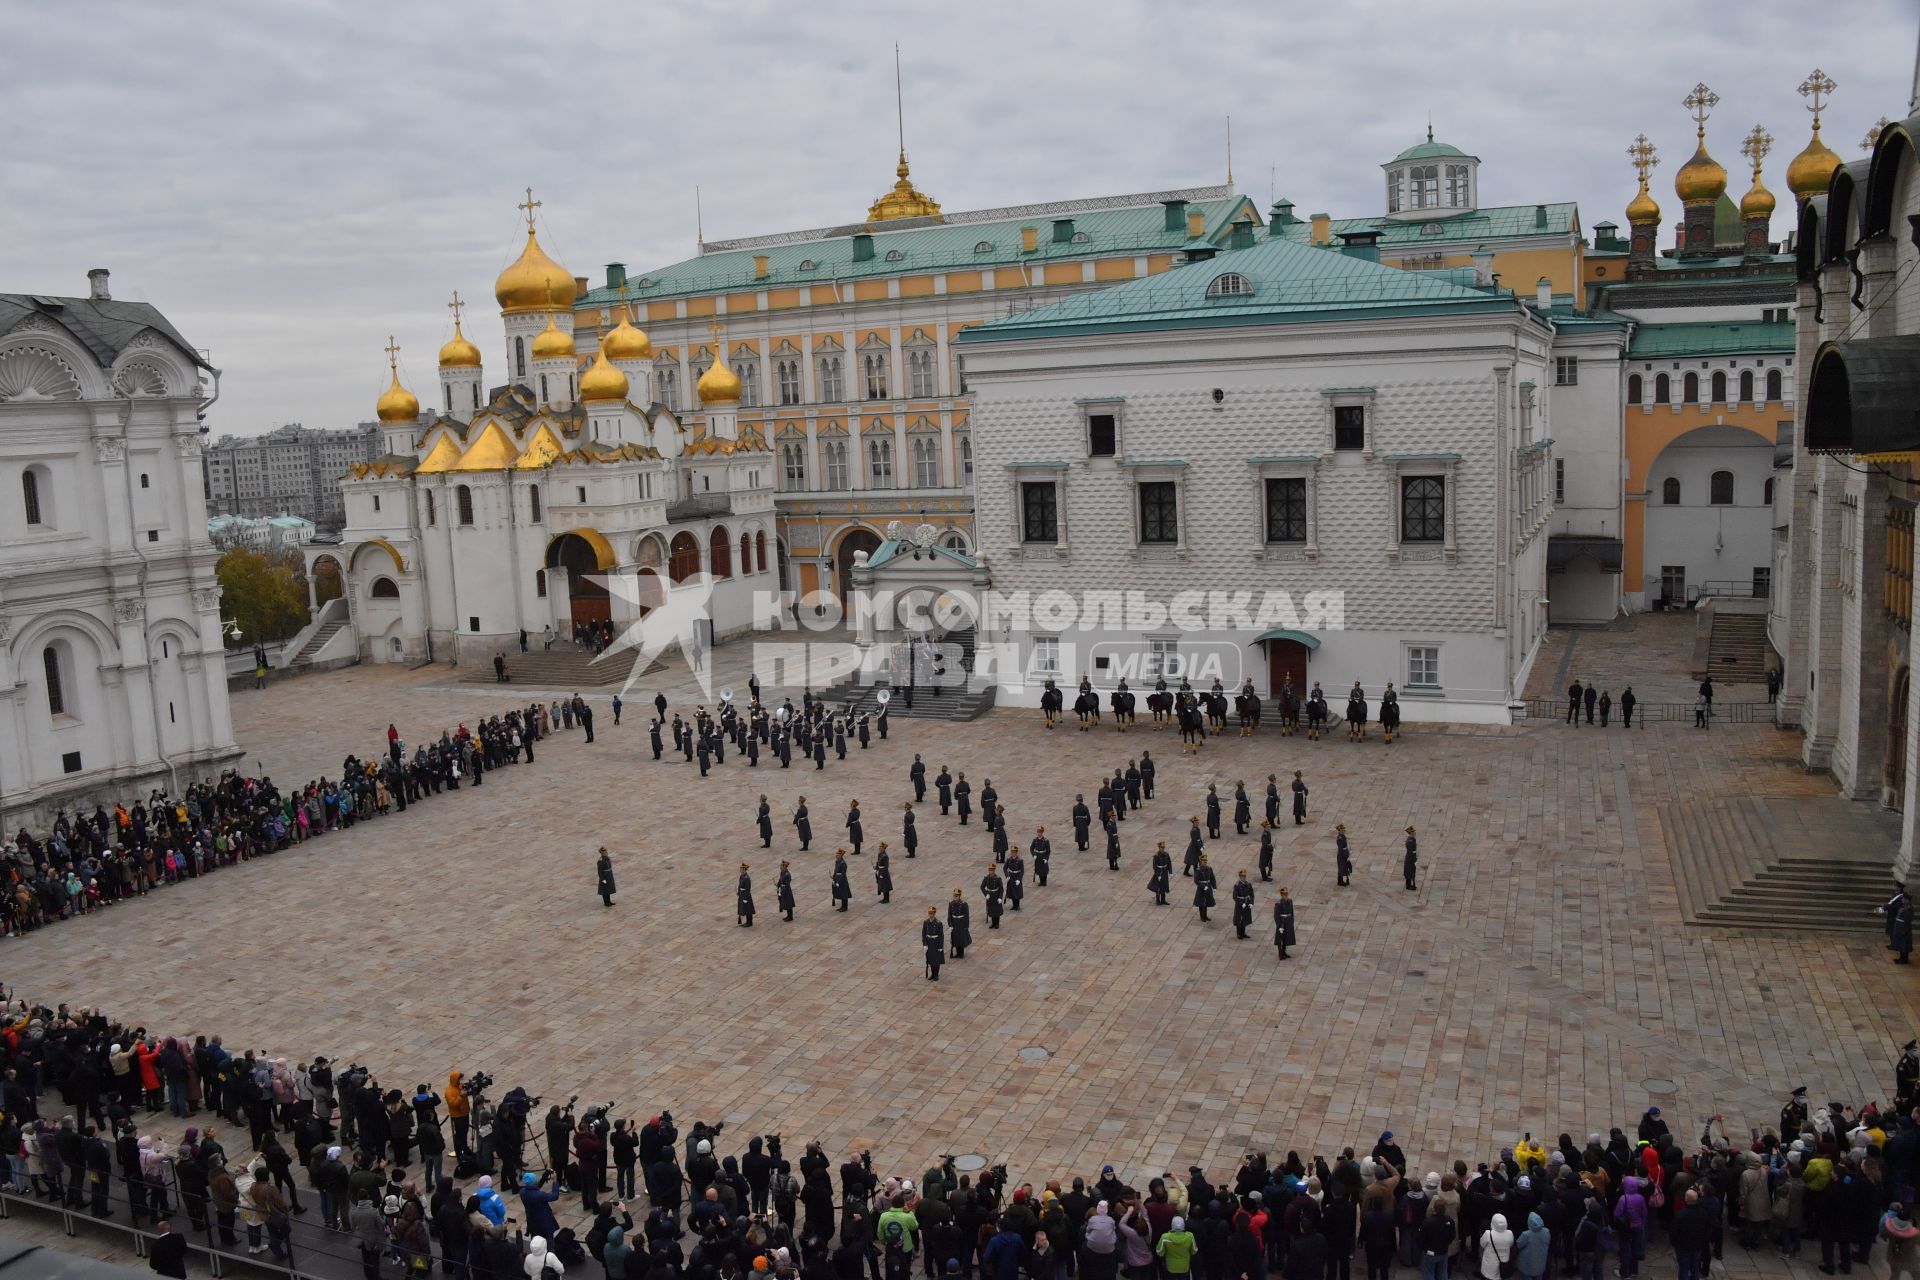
x: 1540, y: 975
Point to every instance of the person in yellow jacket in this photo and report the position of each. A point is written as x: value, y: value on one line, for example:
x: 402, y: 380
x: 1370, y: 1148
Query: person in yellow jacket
x: 1530, y: 1155
x: 459, y: 1109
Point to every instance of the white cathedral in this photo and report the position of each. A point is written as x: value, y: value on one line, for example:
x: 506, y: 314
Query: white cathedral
x: 558, y: 498
x: 111, y: 649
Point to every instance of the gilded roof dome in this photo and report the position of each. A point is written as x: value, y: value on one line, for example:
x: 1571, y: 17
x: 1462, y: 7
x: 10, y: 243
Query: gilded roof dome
x: 1809, y: 172
x: 719, y: 384
x: 625, y: 342
x: 397, y: 404
x: 1758, y: 202
x: 459, y: 353
x: 534, y: 282
x: 1643, y: 207
x: 904, y: 201
x: 1701, y: 180
x: 553, y: 343
x: 601, y: 381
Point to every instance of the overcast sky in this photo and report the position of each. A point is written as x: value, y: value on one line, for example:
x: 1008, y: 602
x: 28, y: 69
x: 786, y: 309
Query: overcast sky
x: 291, y: 181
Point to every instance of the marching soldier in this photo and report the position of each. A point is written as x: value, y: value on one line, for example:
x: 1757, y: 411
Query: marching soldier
x: 1162, y: 878
x: 1042, y: 851
x: 1342, y: 855
x: 842, y: 891
x: 1299, y: 799
x: 802, y: 825
x: 1410, y: 865
x: 1203, y: 884
x: 1242, y: 809
x: 783, y: 891
x: 1132, y: 779
x: 743, y: 899
x: 1194, y: 845
x: 1083, y: 821
x: 1016, y: 877
x: 959, y: 924
x: 603, y: 875
x: 999, y: 824
x: 1213, y: 812
x: 909, y: 837
x: 994, y: 892
x: 944, y: 785
x: 963, y: 798
x: 934, y: 938
x: 1242, y: 905
x: 765, y: 821
x: 883, y: 874
x: 1266, y: 850
x: 854, y: 830
x: 1146, y: 775
x: 917, y: 774
x: 1283, y: 936
x: 1273, y: 800
x: 1112, y: 829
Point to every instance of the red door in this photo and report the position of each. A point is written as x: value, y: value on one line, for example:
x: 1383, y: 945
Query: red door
x: 1286, y: 659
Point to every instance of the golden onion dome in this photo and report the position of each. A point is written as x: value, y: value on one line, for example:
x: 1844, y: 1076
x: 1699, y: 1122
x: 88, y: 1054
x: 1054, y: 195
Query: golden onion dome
x: 398, y: 404
x: 1811, y: 170
x: 534, y: 282
x: 602, y: 382
x: 1701, y: 180
x: 719, y: 384
x: 1758, y: 202
x: 625, y: 342
x: 459, y: 353
x: 1643, y: 207
x: 553, y: 343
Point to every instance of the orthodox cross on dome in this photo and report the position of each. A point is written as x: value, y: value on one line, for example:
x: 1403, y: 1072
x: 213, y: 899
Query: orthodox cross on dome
x: 393, y: 354
x: 1700, y: 104
x: 528, y: 206
x: 1756, y: 146
x: 1643, y: 155
x: 1814, y: 89
x: 1873, y: 135
x: 454, y: 307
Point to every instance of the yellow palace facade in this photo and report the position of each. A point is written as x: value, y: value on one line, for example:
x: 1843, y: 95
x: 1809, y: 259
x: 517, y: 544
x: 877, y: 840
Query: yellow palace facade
x: 842, y: 339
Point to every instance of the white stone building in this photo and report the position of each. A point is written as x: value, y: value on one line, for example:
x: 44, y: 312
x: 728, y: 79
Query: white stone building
x: 1844, y: 619
x: 1281, y: 417
x: 110, y: 631
x: 552, y: 500
x: 291, y: 470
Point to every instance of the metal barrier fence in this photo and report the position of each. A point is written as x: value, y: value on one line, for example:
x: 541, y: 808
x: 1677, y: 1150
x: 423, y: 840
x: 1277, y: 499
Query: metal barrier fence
x: 1721, y: 712
x: 318, y: 1253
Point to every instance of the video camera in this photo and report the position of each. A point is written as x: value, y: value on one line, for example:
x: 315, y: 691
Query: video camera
x: 476, y: 1084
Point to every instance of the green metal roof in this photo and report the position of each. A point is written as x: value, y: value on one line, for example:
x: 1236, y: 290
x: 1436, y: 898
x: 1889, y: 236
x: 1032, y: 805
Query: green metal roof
x: 1501, y: 223
x: 1431, y: 150
x: 1291, y: 283
x: 945, y: 246
x: 1706, y: 338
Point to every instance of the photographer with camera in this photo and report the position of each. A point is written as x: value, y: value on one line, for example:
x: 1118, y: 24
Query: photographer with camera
x: 460, y: 1112
x: 559, y: 1129
x: 857, y: 1182
x: 510, y: 1120
x: 757, y: 1168
x: 536, y: 1204
x: 702, y: 1168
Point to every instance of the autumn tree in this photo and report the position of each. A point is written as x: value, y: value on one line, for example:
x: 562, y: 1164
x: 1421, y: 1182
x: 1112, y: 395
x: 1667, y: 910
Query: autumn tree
x: 265, y: 594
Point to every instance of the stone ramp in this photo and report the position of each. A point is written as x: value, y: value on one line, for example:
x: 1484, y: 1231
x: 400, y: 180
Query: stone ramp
x: 1781, y: 862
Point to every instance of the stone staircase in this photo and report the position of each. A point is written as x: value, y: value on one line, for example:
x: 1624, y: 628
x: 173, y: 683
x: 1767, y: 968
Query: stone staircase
x: 1737, y: 648
x: 953, y: 704
x: 315, y: 642
x: 1779, y: 862
x: 561, y: 668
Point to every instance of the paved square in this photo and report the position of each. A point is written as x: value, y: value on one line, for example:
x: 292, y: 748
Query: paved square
x: 1538, y: 977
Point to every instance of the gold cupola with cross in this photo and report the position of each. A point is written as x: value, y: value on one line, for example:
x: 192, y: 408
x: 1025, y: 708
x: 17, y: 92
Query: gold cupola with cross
x: 1809, y: 172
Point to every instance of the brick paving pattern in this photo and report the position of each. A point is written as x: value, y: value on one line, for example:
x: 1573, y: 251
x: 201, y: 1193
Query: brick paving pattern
x: 1538, y: 977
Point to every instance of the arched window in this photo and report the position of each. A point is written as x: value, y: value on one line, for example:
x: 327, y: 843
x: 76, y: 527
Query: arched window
x: 1719, y: 388
x: 1746, y: 386
x: 760, y: 547
x: 543, y: 390
x: 1766, y: 491
x: 540, y: 583
x: 966, y: 458
x: 385, y: 589
x: 1662, y: 389
x: 1230, y: 284
x: 746, y: 554
x: 1633, y: 389
x: 880, y: 464
x: 985, y: 246
x: 1670, y: 492
x: 519, y: 357
x: 874, y: 365
x: 1426, y: 186
x: 1396, y: 186
x: 1720, y: 489
x: 448, y: 388
x: 30, y: 494
x: 56, y: 692
x: 721, y: 554
x: 1457, y: 187
x: 1690, y: 389
x: 835, y: 452
x: 833, y: 383
x: 683, y: 556
x: 533, y: 499
x: 432, y: 513
x: 464, y: 496
x: 1773, y: 385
